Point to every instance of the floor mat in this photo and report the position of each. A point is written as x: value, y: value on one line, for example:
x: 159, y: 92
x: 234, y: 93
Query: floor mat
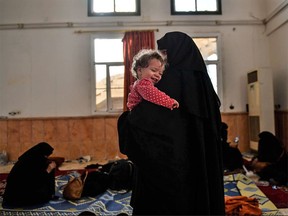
x: 240, y: 185
x: 108, y: 203
x: 278, y: 195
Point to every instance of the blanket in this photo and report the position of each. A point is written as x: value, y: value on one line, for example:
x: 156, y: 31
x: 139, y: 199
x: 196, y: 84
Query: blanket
x: 108, y: 203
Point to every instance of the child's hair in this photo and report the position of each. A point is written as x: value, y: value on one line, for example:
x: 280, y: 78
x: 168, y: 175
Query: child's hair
x: 143, y: 57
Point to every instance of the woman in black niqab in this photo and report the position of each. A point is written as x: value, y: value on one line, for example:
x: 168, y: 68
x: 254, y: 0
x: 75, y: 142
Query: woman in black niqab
x: 269, y: 147
x: 177, y: 154
x: 271, y: 164
x: 29, y: 182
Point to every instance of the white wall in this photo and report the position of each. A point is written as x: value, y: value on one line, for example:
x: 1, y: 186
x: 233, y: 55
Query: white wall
x: 277, y: 32
x: 272, y: 5
x: 279, y: 65
x: 47, y: 72
x: 28, y: 11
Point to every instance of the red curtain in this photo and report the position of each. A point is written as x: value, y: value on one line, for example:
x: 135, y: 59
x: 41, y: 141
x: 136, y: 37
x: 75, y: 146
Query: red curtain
x: 133, y: 42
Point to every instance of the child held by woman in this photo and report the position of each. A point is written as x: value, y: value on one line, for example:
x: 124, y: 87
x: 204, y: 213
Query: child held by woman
x: 147, y: 67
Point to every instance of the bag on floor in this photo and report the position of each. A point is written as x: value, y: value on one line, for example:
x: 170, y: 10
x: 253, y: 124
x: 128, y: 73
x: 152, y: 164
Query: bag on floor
x: 97, y: 182
x: 73, y: 189
x: 121, y: 175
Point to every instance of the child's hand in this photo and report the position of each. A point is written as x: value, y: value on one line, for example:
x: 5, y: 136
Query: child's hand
x: 175, y: 105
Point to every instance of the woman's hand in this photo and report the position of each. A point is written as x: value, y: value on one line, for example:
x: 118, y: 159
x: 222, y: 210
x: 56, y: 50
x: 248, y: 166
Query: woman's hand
x: 51, y: 166
x: 259, y: 166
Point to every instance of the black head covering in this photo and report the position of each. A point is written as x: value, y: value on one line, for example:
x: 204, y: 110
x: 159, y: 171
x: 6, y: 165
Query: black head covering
x: 42, y: 149
x: 182, y: 52
x: 184, y: 58
x: 269, y: 148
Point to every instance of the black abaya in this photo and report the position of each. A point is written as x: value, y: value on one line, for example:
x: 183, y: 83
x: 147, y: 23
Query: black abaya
x: 178, y: 153
x: 28, y: 183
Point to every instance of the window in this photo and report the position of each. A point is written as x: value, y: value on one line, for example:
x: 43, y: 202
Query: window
x: 194, y: 7
x: 108, y: 74
x: 108, y: 69
x: 113, y: 7
x: 209, y: 51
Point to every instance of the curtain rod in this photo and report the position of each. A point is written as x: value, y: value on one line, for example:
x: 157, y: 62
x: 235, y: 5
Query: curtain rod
x: 136, y: 24
x: 114, y: 30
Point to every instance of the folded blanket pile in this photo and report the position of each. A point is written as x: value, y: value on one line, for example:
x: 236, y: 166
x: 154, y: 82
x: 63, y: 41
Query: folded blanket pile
x: 241, y: 205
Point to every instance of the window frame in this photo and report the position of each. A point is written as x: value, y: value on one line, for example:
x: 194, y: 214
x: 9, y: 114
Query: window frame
x: 109, y: 88
x: 217, y: 12
x: 218, y: 62
x: 93, y: 14
x: 93, y: 75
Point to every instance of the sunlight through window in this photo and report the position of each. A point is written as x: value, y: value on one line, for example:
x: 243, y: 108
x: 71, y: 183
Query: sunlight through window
x: 109, y: 74
x: 108, y: 50
x: 125, y: 5
x: 113, y: 7
x: 102, y: 6
x: 184, y: 5
x: 193, y: 7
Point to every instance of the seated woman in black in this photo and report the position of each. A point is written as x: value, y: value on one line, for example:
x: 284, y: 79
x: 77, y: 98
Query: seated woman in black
x: 32, y: 179
x: 232, y: 157
x: 271, y: 164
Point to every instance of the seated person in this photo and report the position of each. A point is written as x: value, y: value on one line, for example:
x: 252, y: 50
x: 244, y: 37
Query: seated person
x: 271, y: 164
x: 32, y: 179
x: 232, y: 157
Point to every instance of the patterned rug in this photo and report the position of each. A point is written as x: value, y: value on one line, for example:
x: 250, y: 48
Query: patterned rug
x: 114, y: 203
x: 241, y: 185
x: 108, y: 203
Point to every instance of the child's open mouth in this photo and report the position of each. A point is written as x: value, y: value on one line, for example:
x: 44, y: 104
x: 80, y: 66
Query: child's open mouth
x: 155, y: 80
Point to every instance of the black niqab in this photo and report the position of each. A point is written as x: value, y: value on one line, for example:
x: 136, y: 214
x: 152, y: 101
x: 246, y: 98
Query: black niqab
x: 181, y: 52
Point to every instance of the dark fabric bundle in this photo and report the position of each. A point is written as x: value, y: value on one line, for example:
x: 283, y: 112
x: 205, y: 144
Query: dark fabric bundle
x: 97, y: 182
x: 116, y: 175
x: 121, y: 175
